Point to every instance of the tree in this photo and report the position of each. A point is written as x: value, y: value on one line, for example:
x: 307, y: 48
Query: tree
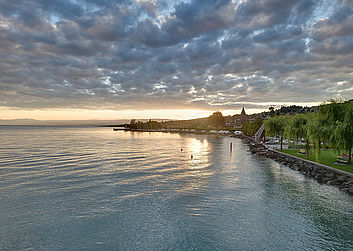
x: 276, y: 125
x: 297, y: 129
x: 250, y: 128
x: 342, y: 137
x: 272, y: 110
x: 337, y: 118
x: 152, y: 125
x: 133, y: 124
x: 216, y: 120
x: 317, y: 131
x: 136, y: 125
x: 333, y: 112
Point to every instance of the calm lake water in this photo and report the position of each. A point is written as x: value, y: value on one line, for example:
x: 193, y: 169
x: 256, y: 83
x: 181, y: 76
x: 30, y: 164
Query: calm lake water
x: 95, y: 189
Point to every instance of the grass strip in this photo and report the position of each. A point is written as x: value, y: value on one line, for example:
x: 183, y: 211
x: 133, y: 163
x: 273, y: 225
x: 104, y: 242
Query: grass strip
x: 326, y: 157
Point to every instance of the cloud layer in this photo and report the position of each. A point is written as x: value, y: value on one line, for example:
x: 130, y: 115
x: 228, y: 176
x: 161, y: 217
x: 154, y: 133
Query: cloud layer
x: 152, y: 54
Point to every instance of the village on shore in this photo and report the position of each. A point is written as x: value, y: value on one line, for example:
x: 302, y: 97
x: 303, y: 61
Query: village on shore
x: 312, y: 130
x: 319, y: 140
x: 216, y: 123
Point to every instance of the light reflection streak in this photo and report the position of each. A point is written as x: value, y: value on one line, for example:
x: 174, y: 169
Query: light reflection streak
x: 200, y: 151
x: 197, y: 169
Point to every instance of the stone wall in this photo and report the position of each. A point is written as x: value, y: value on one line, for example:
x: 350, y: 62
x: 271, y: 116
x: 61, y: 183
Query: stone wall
x: 322, y: 173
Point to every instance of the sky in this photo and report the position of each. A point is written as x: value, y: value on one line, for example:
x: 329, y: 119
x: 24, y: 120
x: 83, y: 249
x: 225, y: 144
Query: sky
x: 105, y: 59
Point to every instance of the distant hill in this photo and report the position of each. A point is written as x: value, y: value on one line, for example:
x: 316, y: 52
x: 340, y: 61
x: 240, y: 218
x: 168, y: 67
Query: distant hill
x: 166, y: 123
x: 92, y: 122
x: 62, y: 122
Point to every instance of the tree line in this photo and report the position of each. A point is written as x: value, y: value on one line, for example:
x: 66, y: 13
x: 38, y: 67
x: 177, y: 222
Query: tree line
x: 332, y: 124
x: 215, y: 121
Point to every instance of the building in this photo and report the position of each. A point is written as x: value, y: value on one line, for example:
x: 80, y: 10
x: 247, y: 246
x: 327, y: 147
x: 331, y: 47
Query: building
x: 241, y: 119
x: 237, y: 121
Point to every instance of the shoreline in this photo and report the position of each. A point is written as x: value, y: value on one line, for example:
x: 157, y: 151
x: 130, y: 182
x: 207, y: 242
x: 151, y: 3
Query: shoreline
x: 193, y: 131
x: 322, y: 173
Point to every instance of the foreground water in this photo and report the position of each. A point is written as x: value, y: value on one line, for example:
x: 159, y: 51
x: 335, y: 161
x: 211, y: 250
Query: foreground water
x: 95, y: 189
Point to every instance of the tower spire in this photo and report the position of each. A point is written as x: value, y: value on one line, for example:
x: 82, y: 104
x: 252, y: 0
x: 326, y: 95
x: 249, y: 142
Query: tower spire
x: 243, y: 111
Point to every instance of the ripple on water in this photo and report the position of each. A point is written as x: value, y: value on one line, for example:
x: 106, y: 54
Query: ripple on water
x: 92, y: 188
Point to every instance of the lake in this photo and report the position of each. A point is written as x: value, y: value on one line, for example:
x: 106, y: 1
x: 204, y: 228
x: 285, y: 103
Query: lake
x: 88, y: 188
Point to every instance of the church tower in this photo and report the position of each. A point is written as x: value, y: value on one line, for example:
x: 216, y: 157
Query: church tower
x: 243, y: 111
x: 241, y: 119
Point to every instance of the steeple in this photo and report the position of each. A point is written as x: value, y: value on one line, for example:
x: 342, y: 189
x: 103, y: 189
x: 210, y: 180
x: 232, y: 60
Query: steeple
x: 243, y: 111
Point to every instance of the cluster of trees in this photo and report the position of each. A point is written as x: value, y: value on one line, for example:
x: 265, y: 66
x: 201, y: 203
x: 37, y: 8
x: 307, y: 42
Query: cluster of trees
x: 293, y: 109
x: 333, y: 123
x: 250, y: 128
x: 214, y: 121
x: 201, y: 123
x: 144, y: 125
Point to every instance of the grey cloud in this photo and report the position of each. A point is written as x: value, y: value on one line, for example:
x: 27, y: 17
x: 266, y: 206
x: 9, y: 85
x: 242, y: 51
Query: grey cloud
x: 340, y: 24
x: 254, y: 14
x: 334, y: 36
x: 334, y: 46
x: 278, y: 33
x: 188, y: 21
x: 153, y: 54
x: 30, y: 12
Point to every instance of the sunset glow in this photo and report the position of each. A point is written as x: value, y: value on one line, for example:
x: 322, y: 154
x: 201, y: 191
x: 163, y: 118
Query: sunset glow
x: 92, y: 114
x: 112, y: 60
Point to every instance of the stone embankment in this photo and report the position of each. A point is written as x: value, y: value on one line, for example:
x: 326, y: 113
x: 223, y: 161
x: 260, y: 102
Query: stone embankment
x: 322, y: 173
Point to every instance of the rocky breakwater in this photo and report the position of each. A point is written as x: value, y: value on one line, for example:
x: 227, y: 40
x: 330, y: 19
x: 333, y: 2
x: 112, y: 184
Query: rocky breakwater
x: 322, y: 173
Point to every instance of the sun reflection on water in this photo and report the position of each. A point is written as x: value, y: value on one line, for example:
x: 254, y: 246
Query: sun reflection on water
x: 196, y: 154
x: 199, y: 153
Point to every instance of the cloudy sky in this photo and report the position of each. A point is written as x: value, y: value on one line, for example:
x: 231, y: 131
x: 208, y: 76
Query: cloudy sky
x: 104, y: 59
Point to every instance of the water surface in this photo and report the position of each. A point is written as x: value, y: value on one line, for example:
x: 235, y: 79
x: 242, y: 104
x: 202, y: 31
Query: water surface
x: 94, y: 189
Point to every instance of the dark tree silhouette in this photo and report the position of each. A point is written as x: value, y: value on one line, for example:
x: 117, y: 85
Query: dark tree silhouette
x: 216, y: 120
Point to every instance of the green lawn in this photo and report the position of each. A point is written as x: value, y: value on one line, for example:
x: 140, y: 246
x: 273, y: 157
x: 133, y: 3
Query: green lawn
x: 327, y: 157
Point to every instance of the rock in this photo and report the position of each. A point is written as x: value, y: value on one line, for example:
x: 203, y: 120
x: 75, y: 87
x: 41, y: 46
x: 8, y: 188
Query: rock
x: 343, y: 178
x: 320, y: 170
x: 329, y: 175
x: 305, y: 168
x: 295, y: 167
x: 325, y: 180
x: 350, y: 189
x: 342, y: 187
x: 333, y: 182
x: 322, y: 175
x: 348, y: 183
